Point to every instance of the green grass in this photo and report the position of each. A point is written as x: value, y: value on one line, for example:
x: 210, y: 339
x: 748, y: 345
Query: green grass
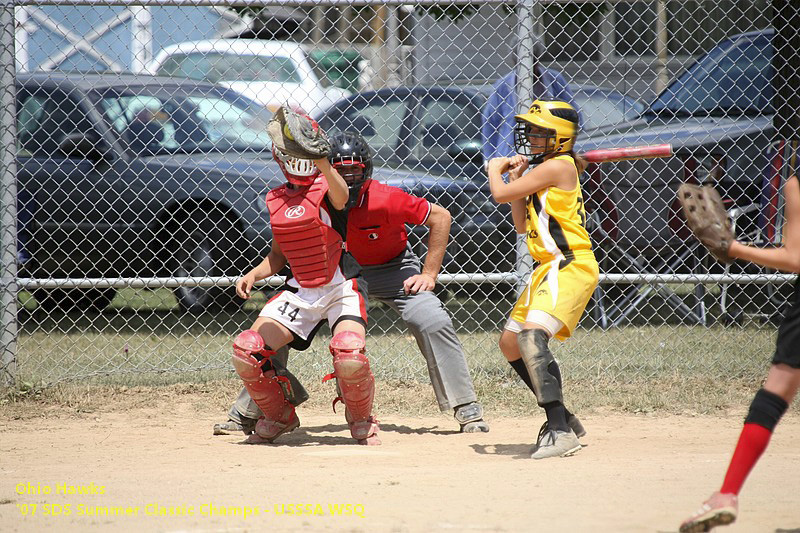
x: 142, y: 340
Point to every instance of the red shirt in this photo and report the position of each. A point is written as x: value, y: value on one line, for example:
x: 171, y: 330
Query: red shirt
x: 376, y: 226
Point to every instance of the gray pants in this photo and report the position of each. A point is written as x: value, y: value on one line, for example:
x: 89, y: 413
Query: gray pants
x: 428, y: 321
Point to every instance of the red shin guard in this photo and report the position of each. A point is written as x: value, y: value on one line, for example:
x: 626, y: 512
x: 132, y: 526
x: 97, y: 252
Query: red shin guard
x: 356, y: 383
x: 265, y: 388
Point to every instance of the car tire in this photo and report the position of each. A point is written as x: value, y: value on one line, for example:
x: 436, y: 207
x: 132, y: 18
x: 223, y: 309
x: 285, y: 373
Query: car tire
x: 194, y: 248
x: 74, y: 299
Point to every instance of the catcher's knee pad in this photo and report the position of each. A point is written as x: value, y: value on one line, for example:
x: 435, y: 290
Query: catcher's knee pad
x: 537, y: 356
x: 354, y: 377
x: 265, y: 388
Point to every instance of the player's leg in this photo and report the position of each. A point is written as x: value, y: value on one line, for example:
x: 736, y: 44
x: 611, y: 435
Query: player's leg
x: 510, y: 347
x: 244, y: 413
x: 347, y: 314
x: 556, y: 439
x: 355, y: 380
x: 556, y: 297
x: 428, y: 321
x: 252, y: 353
x: 766, y: 410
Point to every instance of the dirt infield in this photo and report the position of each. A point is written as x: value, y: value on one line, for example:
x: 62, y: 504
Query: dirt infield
x: 148, y: 470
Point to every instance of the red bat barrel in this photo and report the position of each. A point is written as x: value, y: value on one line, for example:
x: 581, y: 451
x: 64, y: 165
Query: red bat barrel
x: 624, y: 154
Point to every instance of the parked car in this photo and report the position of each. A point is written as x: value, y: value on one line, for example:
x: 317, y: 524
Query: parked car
x: 271, y: 73
x: 437, y: 129
x: 718, y: 116
x: 124, y: 175
x: 601, y: 106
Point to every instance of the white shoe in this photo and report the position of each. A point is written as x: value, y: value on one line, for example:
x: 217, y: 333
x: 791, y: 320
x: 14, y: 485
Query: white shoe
x: 719, y: 510
x: 553, y: 443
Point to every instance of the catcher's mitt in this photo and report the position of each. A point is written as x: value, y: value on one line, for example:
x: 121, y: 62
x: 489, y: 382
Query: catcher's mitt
x: 298, y: 135
x: 708, y: 219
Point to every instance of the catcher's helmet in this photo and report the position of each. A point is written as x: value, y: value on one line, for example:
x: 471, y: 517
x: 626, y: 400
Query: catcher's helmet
x: 300, y: 172
x: 553, y: 120
x: 349, y: 149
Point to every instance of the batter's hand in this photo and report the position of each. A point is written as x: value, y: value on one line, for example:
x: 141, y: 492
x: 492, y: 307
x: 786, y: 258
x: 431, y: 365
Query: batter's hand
x: 244, y: 285
x: 500, y: 164
x: 517, y: 167
x: 419, y: 282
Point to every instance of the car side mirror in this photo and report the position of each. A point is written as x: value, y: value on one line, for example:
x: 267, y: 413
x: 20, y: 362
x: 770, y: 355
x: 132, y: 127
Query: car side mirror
x: 82, y: 146
x: 466, y: 151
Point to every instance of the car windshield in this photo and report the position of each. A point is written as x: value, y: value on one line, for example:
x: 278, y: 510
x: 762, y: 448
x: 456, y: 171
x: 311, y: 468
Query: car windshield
x: 734, y: 78
x: 215, y: 67
x: 151, y: 121
x: 601, y: 107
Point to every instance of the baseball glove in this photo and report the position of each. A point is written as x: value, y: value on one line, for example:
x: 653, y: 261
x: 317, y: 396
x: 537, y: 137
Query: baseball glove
x: 708, y: 219
x: 298, y: 135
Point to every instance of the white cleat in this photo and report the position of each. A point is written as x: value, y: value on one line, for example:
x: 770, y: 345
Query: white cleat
x: 554, y: 443
x: 719, y: 510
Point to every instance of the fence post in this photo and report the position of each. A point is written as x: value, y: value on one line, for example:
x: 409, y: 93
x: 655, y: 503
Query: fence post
x: 8, y: 194
x: 141, y: 38
x: 662, y: 37
x: 529, y: 45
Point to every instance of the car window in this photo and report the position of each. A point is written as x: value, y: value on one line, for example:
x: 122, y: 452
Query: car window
x: 231, y: 122
x: 159, y: 123
x: 142, y: 122
x: 598, y: 110
x: 738, y: 81
x: 44, y: 119
x: 30, y: 115
x: 215, y: 67
x: 320, y: 72
x: 444, y: 123
x: 380, y: 123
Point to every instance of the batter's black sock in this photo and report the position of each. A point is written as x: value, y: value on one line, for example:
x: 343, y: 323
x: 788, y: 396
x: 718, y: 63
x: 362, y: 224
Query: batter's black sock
x: 522, y: 370
x: 556, y: 416
x: 555, y: 371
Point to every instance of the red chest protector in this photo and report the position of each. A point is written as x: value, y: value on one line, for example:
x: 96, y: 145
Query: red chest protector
x: 312, y: 247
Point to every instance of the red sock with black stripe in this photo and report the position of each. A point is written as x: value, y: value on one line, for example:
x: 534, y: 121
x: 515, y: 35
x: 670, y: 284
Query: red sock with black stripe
x: 752, y: 442
x: 765, y: 412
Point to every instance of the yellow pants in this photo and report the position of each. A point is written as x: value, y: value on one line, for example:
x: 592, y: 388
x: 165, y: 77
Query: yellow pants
x: 561, y: 288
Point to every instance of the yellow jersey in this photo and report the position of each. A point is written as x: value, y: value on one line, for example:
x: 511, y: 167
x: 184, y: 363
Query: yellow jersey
x: 556, y: 221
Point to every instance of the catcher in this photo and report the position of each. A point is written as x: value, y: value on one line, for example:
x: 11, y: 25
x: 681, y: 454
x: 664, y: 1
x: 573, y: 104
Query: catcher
x: 708, y: 220
x: 547, y: 207
x: 376, y: 236
x: 308, y: 219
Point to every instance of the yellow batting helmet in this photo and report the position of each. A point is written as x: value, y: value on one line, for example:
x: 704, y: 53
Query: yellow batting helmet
x: 555, y: 121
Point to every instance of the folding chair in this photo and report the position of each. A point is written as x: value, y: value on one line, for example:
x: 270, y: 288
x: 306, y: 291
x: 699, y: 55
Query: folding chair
x: 631, y: 226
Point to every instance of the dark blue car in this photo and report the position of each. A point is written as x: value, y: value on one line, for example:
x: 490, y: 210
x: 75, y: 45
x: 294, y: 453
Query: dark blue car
x: 136, y: 176
x: 438, y: 129
x: 718, y: 116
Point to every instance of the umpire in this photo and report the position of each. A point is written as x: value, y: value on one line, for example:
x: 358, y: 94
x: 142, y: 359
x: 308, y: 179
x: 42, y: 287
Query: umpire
x: 376, y: 237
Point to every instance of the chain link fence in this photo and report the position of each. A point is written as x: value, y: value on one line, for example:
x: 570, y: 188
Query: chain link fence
x: 136, y: 163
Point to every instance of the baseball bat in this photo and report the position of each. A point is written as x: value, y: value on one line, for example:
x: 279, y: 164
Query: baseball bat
x: 629, y: 152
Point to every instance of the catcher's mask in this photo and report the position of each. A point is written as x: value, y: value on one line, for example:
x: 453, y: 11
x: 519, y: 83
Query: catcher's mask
x: 552, y: 120
x: 351, y: 157
x: 301, y: 172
